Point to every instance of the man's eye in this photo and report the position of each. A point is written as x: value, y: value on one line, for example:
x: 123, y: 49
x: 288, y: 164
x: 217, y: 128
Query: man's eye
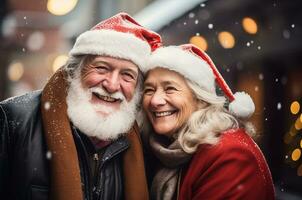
x: 129, y: 76
x: 101, y: 67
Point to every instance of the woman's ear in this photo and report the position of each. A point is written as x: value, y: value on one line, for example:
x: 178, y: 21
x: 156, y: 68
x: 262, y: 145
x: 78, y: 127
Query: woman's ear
x: 201, y: 104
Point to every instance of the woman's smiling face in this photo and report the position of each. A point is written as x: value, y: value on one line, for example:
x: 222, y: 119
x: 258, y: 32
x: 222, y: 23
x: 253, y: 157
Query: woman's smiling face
x: 168, y: 100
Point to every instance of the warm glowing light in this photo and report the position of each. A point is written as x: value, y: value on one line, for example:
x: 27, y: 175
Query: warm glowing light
x: 301, y: 143
x: 15, y: 71
x: 299, y: 170
x: 249, y: 25
x: 200, y: 42
x: 301, y: 118
x: 59, y: 62
x: 226, y: 39
x: 295, y: 107
x: 296, y: 154
x: 61, y: 7
x: 298, y: 124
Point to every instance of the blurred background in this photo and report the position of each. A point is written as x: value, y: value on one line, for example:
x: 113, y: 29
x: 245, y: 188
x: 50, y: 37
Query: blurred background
x: 256, y: 45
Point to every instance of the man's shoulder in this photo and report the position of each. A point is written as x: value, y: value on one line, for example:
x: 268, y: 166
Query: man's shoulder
x: 21, y: 105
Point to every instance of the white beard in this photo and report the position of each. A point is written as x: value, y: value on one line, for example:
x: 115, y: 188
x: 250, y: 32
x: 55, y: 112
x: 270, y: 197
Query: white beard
x: 84, y: 116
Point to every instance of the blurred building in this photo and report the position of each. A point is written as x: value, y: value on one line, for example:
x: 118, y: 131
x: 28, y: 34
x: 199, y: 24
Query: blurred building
x: 37, y: 36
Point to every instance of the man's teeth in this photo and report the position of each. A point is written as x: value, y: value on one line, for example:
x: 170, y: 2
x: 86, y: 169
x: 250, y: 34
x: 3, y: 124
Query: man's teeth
x: 106, y: 98
x: 162, y: 114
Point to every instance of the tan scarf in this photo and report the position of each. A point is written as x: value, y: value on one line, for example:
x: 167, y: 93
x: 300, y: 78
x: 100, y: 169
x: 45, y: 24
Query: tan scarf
x: 172, y: 158
x: 65, y: 180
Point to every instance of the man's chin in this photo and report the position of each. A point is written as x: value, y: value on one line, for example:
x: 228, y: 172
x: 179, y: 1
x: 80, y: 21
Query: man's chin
x: 103, y: 113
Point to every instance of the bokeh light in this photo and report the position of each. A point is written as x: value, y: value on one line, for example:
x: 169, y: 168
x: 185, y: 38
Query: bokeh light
x: 200, y: 42
x: 249, y: 25
x: 226, y: 39
x: 296, y: 154
x: 59, y: 62
x: 298, y: 124
x: 295, y: 107
x: 35, y: 41
x: 15, y: 71
x: 61, y: 7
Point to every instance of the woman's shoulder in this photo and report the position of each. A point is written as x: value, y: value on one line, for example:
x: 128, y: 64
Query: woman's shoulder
x: 234, y: 144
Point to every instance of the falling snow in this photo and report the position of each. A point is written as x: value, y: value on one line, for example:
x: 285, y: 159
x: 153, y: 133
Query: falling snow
x: 210, y: 26
x: 293, y: 25
x: 191, y: 15
x: 256, y: 88
x: 202, y: 5
x: 196, y: 21
x: 47, y: 105
x: 248, y: 44
x: 259, y: 47
x: 48, y: 155
x: 23, y: 49
x: 276, y: 80
x: 185, y: 23
x: 261, y: 77
x: 279, y: 106
x: 197, y: 34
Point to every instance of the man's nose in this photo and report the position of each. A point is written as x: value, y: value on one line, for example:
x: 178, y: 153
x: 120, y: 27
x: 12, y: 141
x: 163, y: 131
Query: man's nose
x: 112, y: 83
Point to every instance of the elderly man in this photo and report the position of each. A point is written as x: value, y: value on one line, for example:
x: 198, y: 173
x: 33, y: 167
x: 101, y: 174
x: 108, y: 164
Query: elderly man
x: 77, y: 138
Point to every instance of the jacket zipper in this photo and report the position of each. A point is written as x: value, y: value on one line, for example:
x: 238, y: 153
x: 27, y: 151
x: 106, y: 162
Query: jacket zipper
x: 96, y: 191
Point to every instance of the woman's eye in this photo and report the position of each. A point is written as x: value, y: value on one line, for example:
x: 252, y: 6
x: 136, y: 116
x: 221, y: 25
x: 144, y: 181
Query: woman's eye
x: 148, y: 91
x: 171, y: 89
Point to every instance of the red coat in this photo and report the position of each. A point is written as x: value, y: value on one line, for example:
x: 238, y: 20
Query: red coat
x: 235, y: 168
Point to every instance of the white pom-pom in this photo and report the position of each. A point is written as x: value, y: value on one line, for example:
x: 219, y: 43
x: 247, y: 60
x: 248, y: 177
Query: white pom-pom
x: 243, y: 106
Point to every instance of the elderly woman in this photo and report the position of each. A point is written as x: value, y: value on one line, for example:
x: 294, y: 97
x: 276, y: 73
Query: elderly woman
x: 203, y: 150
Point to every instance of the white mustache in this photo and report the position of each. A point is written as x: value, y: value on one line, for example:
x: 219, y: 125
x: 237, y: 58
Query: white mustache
x: 101, y: 91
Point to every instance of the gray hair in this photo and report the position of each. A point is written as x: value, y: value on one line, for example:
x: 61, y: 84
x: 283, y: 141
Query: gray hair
x: 207, y: 123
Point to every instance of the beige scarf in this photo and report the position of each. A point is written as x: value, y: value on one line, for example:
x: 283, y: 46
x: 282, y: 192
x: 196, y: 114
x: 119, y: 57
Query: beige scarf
x: 172, y: 158
x: 65, y: 181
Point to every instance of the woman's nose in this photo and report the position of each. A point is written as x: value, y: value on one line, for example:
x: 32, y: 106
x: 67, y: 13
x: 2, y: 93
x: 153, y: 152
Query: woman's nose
x: 158, y: 99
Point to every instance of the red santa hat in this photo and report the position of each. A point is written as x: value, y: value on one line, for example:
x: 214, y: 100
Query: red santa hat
x: 119, y: 36
x: 195, y: 65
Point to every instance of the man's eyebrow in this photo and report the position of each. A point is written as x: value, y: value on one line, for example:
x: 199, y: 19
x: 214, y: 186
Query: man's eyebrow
x: 100, y: 61
x: 131, y: 70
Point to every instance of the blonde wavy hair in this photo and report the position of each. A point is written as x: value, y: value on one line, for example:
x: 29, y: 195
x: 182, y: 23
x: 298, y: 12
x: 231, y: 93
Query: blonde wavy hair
x: 207, y: 123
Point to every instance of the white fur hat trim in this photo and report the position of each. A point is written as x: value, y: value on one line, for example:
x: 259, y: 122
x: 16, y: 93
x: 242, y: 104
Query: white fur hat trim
x: 112, y: 43
x: 242, y: 106
x: 190, y: 66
